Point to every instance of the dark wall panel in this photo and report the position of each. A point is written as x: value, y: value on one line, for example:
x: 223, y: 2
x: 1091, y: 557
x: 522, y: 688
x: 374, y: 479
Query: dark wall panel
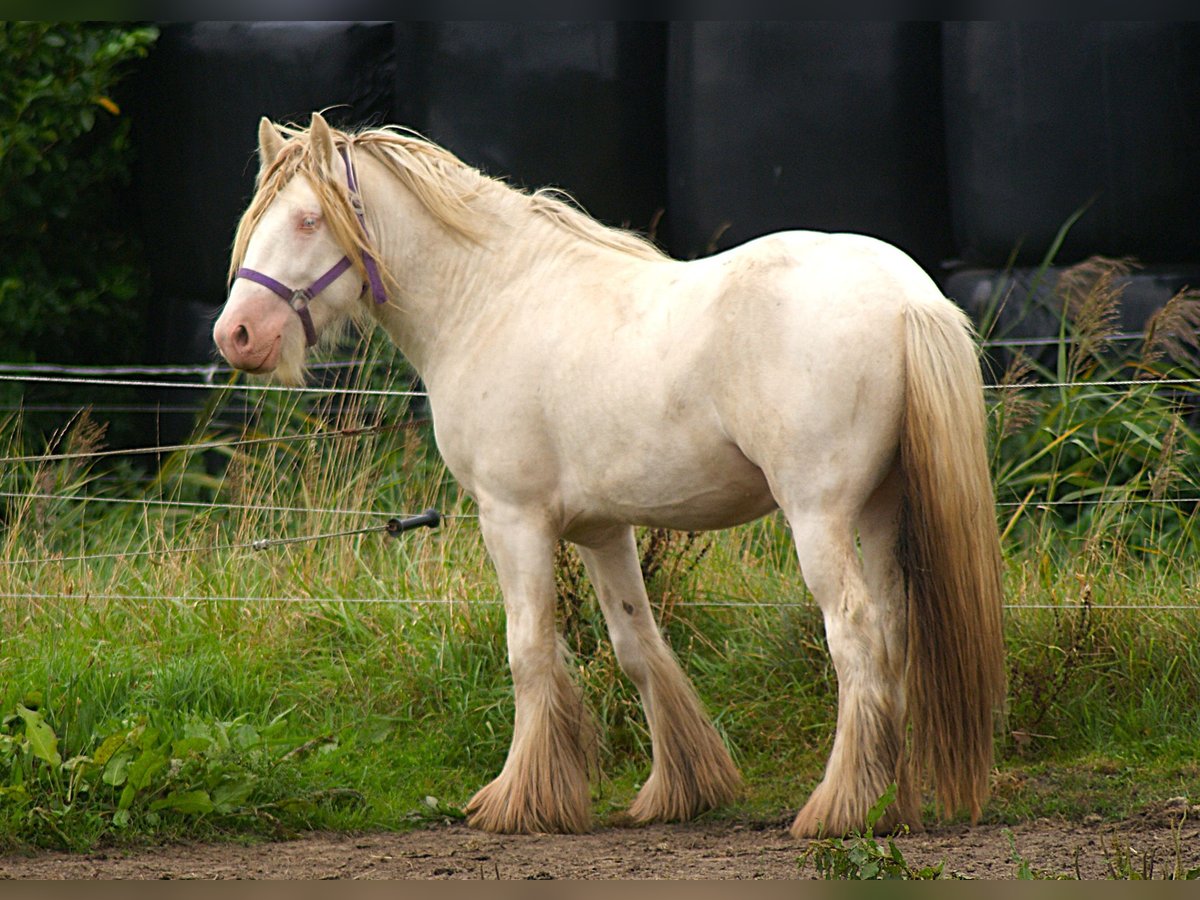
x: 1043, y: 118
x: 830, y: 126
x: 737, y: 129
x: 576, y: 105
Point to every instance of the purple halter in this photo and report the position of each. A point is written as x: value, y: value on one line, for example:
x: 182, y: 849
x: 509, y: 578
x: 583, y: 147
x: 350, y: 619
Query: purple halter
x: 299, y: 298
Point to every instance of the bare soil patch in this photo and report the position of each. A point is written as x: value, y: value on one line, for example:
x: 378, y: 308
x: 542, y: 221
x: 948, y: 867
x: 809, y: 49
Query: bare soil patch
x: 704, y: 850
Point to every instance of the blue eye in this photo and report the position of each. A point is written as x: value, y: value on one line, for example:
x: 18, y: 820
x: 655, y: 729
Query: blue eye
x: 309, y: 223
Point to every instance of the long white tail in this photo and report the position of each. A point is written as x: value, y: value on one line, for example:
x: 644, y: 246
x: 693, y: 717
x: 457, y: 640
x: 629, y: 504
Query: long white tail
x: 950, y: 554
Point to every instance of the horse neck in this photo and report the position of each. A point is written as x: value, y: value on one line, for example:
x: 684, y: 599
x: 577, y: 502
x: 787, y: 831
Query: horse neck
x: 452, y: 287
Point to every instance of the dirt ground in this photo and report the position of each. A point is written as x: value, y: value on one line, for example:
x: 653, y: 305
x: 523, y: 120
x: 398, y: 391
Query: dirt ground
x: 706, y: 850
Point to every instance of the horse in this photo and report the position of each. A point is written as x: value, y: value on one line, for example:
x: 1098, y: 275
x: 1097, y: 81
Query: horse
x: 582, y: 382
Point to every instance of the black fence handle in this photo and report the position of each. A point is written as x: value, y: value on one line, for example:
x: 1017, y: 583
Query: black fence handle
x: 431, y: 518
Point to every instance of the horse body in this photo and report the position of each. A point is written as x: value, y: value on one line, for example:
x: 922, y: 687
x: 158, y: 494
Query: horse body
x: 574, y: 379
x: 581, y: 384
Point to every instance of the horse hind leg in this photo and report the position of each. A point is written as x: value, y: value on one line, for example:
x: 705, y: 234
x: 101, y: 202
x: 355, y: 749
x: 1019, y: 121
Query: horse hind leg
x: 691, y: 770
x: 865, y: 634
x: 543, y: 786
x: 879, y: 537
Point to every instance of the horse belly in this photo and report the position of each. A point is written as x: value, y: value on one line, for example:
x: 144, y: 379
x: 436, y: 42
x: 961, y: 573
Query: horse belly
x: 683, y: 485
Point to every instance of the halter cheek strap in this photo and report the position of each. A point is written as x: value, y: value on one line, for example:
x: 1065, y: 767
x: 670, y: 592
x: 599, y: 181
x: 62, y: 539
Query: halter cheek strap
x: 373, y: 278
x: 299, y: 298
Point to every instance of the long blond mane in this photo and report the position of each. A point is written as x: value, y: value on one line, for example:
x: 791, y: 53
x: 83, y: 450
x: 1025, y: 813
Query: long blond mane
x: 447, y: 187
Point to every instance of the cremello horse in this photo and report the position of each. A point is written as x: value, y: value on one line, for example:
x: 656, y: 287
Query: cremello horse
x: 582, y: 383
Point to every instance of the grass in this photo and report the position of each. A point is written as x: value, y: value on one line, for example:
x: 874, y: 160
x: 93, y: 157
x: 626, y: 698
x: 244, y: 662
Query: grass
x: 137, y: 706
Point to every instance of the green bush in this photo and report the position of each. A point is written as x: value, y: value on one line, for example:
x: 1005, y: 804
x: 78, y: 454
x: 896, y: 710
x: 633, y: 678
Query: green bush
x: 1099, y: 443
x: 69, y: 271
x: 146, y: 778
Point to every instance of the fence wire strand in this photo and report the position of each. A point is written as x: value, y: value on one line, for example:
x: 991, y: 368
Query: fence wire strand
x: 497, y: 601
x: 206, y: 386
x: 213, y: 445
x: 259, y: 544
x: 202, y: 504
x: 336, y: 511
x: 208, y: 372
x: 376, y: 392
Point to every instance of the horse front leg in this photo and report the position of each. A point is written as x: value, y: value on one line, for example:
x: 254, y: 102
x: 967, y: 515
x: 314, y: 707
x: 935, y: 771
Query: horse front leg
x: 692, y: 771
x: 543, y: 786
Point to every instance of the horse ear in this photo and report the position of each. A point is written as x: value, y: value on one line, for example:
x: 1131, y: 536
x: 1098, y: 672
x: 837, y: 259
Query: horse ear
x: 321, y: 141
x: 270, y: 142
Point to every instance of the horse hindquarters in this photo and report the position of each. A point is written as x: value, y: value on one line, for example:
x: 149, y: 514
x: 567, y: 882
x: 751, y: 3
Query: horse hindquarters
x: 913, y: 626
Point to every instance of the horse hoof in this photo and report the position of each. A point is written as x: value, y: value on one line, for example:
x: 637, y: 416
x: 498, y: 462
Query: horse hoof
x: 504, y: 808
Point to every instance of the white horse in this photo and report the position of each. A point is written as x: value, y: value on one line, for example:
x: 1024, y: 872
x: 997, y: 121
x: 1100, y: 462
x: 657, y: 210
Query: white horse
x: 582, y: 383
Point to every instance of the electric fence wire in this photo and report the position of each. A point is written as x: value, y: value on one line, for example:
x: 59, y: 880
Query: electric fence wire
x: 497, y: 601
x: 379, y: 392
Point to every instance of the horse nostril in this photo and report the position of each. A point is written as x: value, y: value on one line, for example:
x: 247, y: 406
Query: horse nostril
x: 241, y: 337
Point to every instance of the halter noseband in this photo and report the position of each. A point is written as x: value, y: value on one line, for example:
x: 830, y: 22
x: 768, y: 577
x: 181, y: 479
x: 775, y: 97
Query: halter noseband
x: 299, y: 298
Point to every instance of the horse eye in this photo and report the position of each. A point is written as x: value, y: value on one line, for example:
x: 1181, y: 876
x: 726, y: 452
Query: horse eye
x: 309, y: 223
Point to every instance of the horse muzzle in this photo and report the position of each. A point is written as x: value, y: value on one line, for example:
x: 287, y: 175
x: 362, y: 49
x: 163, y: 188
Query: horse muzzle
x: 250, y: 332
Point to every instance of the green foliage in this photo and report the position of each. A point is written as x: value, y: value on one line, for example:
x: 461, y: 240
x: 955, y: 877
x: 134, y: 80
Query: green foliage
x: 1097, y: 488
x: 1076, y: 463
x: 140, y: 777
x: 862, y: 858
x: 69, y: 273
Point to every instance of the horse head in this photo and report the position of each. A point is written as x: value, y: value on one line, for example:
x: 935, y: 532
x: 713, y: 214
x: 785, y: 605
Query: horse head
x: 296, y: 242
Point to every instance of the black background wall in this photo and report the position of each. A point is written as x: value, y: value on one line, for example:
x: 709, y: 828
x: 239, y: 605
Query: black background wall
x: 195, y: 104
x: 1045, y: 118
x: 833, y: 126
x: 960, y: 142
x: 574, y: 105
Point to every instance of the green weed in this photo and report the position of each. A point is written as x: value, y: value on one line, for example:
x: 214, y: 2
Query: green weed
x: 1023, y: 870
x: 142, y: 778
x: 1127, y: 864
x: 862, y: 858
